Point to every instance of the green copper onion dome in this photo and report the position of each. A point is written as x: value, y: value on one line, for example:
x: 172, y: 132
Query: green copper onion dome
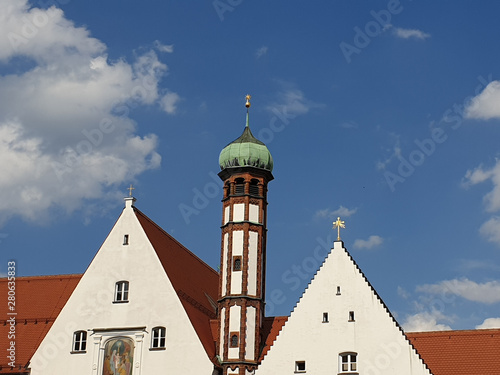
x: 246, y: 151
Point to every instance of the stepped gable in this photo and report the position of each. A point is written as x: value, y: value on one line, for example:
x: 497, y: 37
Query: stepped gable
x: 39, y: 300
x: 271, y: 328
x: 195, y: 282
x: 459, y: 352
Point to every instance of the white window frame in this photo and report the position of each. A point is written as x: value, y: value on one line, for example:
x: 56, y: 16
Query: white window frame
x: 158, y: 338
x: 121, y: 291
x: 351, y: 365
x: 79, y: 342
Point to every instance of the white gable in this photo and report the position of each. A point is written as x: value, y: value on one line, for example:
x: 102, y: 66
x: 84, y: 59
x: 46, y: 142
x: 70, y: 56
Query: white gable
x: 152, y: 302
x: 322, y: 327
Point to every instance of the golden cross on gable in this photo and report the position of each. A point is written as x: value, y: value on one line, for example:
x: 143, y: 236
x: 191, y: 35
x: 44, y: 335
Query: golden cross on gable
x: 337, y: 225
x: 130, y: 190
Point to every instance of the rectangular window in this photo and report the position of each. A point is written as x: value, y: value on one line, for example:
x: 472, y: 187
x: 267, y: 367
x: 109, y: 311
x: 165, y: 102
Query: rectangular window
x: 234, y: 339
x: 121, y: 291
x: 348, y: 363
x: 300, y: 366
x: 79, y: 341
x: 158, y: 338
x: 338, y: 291
x: 125, y: 239
x: 351, y: 316
x: 237, y: 263
x: 325, y: 317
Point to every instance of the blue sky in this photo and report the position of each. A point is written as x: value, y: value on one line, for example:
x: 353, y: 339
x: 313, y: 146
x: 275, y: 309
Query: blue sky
x: 385, y: 113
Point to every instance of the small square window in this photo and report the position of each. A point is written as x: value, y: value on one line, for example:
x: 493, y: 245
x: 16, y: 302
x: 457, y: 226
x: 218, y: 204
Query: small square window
x: 237, y: 263
x: 125, y: 239
x: 234, y: 339
x: 300, y: 366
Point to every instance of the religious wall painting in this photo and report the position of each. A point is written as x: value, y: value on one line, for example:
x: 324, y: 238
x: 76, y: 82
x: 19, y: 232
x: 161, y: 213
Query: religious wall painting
x: 118, y: 356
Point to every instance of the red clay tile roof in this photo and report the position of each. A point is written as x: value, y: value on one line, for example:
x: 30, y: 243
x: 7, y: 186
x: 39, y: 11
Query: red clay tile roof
x: 271, y: 327
x: 472, y: 352
x: 39, y: 299
x: 195, y: 282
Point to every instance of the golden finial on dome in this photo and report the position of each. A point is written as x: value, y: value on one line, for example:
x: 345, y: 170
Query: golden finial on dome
x: 247, y: 104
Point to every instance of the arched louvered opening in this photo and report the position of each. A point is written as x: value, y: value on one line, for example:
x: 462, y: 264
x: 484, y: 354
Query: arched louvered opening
x: 254, y: 187
x: 239, y: 186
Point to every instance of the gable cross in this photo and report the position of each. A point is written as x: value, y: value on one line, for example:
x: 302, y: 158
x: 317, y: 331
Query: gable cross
x: 130, y: 190
x: 337, y: 225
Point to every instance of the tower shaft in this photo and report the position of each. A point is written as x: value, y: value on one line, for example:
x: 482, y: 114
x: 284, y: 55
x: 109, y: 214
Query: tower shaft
x: 243, y: 260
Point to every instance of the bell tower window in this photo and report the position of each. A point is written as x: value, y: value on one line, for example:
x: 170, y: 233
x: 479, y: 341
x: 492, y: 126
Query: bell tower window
x: 239, y: 187
x: 254, y: 187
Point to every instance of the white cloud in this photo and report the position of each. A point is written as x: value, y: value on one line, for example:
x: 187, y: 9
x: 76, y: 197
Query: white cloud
x: 489, y: 323
x: 488, y: 292
x: 349, y: 125
x: 65, y: 130
x: 467, y: 265
x: 402, y: 292
x: 486, y: 105
x: 425, y: 321
x: 169, y: 48
x: 491, y: 228
x: 410, y: 33
x: 330, y: 214
x: 169, y: 102
x: 370, y: 243
x: 291, y: 102
x: 394, y: 152
x: 261, y: 51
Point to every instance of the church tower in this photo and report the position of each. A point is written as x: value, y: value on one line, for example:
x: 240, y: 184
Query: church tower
x: 246, y: 166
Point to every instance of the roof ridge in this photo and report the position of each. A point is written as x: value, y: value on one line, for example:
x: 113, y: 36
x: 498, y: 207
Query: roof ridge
x: 457, y: 332
x: 137, y: 211
x: 42, y: 277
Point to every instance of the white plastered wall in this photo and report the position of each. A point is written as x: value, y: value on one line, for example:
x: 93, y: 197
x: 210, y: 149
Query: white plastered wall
x: 237, y: 250
x: 381, y: 347
x: 152, y: 302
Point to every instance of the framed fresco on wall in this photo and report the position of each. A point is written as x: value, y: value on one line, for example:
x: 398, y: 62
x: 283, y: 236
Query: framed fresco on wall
x: 118, y: 356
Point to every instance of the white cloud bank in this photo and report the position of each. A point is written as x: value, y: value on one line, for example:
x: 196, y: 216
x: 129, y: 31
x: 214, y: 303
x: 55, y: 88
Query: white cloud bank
x: 488, y: 292
x: 370, y: 243
x: 489, y: 323
x: 65, y: 130
x: 410, y: 33
x: 491, y: 228
x: 291, y: 102
x: 425, y: 321
x: 486, y: 105
x: 331, y: 214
